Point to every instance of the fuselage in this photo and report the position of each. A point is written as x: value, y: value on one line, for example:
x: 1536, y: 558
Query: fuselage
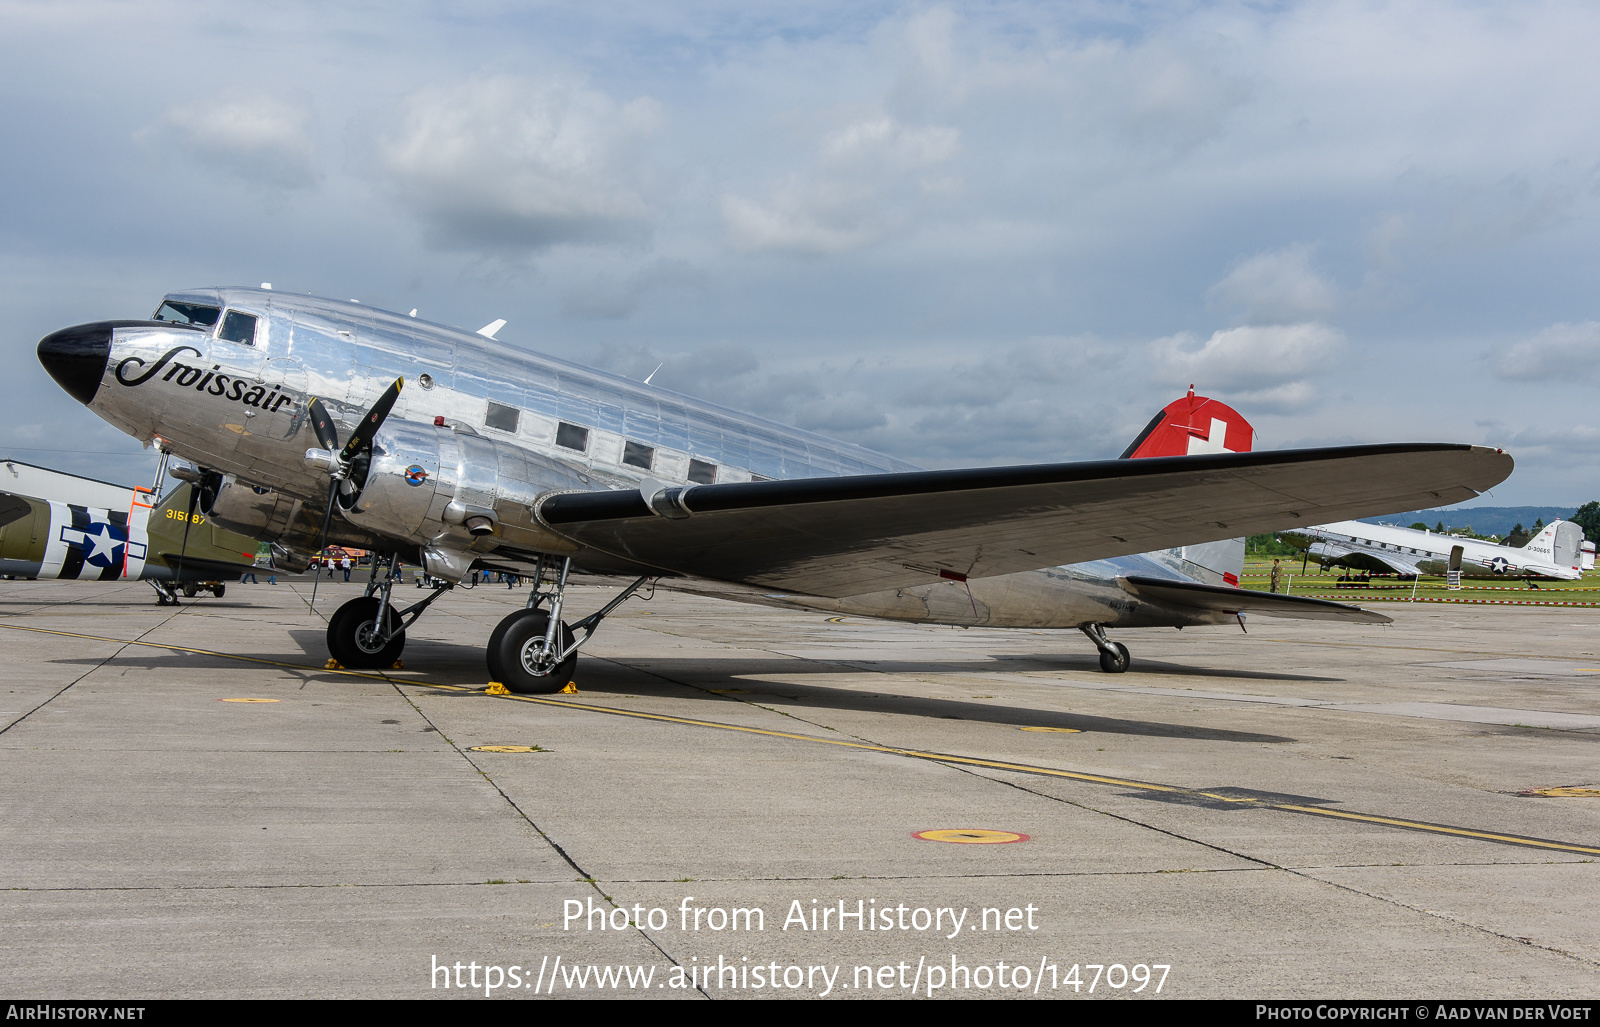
x: 1554, y: 553
x: 224, y: 379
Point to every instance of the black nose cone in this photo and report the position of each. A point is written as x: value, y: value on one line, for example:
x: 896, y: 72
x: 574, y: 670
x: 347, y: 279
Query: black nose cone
x: 76, y: 358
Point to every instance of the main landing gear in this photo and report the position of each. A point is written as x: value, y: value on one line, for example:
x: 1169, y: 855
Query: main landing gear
x: 532, y: 651
x: 1114, y: 658
x: 368, y: 633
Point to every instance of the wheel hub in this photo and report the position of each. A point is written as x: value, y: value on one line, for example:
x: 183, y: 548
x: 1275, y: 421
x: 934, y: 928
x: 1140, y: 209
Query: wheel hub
x: 368, y: 640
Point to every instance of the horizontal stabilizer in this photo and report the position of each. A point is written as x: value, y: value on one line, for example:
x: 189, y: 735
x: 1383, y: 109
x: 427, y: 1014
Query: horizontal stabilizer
x: 855, y: 534
x: 1226, y: 599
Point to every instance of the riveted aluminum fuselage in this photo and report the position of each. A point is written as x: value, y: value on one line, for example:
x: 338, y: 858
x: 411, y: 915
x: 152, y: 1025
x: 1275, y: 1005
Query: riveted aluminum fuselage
x: 242, y: 409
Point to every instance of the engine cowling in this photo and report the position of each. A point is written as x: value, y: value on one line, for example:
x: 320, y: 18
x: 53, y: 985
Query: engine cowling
x: 455, y: 494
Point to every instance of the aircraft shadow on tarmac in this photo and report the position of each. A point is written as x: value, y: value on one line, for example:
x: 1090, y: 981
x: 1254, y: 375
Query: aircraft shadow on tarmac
x: 705, y: 677
x: 450, y: 663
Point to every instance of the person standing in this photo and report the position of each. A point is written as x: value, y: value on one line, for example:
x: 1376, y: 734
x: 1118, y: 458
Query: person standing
x: 1277, y: 575
x: 344, y: 565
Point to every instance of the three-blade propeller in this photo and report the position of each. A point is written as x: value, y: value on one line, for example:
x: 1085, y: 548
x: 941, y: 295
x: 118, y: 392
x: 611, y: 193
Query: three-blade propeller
x: 344, y: 457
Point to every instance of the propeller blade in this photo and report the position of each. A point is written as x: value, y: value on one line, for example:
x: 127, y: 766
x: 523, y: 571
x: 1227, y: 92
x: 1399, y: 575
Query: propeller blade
x: 194, y: 500
x: 322, y: 424
x: 362, y: 436
x: 322, y: 541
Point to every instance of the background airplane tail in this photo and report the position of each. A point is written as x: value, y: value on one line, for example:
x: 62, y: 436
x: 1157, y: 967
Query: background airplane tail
x: 1196, y: 424
x: 1561, y: 542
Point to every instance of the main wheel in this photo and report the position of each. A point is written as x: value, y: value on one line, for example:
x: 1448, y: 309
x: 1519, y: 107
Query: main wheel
x: 218, y: 590
x: 1115, y: 663
x: 352, y: 638
x: 513, y: 650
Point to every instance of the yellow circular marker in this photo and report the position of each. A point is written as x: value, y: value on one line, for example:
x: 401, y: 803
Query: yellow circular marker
x: 504, y: 748
x: 968, y: 836
x: 247, y: 700
x: 1056, y: 730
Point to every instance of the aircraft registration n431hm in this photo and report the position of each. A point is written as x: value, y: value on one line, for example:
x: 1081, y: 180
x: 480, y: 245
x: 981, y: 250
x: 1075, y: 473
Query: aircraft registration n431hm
x: 495, y: 457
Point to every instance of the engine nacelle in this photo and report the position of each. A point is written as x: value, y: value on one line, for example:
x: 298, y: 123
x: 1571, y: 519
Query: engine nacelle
x: 455, y: 494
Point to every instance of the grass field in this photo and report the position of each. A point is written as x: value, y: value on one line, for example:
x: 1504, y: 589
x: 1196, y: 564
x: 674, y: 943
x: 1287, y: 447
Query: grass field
x: 1486, y: 591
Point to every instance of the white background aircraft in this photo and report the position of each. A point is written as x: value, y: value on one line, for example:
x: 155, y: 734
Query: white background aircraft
x: 1556, y: 552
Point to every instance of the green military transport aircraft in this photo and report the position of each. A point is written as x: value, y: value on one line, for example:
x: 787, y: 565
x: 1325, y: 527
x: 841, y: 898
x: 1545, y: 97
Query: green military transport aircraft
x: 57, y: 525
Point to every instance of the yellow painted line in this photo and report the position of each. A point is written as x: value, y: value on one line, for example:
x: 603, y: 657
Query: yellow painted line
x: 935, y: 757
x: 247, y: 700
x: 1417, y: 825
x: 1055, y: 730
x: 505, y: 748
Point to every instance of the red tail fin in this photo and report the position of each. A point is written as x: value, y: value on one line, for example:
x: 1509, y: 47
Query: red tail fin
x: 1193, y: 424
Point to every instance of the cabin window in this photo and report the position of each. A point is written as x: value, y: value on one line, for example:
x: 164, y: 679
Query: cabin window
x: 571, y: 436
x: 702, y: 472
x: 188, y: 313
x: 502, y: 417
x: 238, y: 326
x: 636, y: 455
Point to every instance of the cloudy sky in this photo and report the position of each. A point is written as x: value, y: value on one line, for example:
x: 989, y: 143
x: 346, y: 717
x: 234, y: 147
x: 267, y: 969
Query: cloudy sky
x: 960, y: 233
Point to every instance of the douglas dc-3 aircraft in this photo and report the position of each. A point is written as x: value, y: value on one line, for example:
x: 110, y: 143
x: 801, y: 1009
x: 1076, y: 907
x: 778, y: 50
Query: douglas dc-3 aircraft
x: 499, y: 458
x: 1556, y: 552
x: 56, y: 525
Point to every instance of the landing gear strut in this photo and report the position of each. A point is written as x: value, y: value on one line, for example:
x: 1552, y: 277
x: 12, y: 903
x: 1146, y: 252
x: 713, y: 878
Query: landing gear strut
x: 532, y: 651
x: 368, y: 633
x: 1114, y: 658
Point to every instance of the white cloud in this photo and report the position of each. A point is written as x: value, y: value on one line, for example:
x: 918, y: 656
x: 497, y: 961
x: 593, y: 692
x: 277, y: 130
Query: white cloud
x: 1265, y: 366
x: 514, y: 162
x: 1276, y: 286
x: 265, y: 141
x: 869, y: 176
x: 1561, y: 352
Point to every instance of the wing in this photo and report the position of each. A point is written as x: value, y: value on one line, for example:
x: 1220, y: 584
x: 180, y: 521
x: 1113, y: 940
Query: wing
x: 1226, y: 599
x: 13, y: 508
x: 850, y: 535
x: 1362, y: 558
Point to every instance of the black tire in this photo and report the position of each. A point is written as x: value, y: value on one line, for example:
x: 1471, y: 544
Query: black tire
x: 189, y: 590
x: 1115, y: 664
x: 505, y: 652
x: 352, y: 622
x: 219, y: 590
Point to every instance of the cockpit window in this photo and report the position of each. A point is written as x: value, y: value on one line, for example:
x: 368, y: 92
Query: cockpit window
x: 238, y: 327
x: 187, y: 313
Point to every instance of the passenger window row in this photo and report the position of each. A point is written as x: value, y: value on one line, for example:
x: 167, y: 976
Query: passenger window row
x: 576, y: 437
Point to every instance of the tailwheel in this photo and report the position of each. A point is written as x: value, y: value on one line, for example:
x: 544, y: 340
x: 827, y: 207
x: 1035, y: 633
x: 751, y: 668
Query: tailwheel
x: 354, y: 639
x: 518, y: 659
x: 1116, y: 659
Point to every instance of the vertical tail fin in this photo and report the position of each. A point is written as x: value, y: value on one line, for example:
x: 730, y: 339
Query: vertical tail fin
x: 1193, y: 424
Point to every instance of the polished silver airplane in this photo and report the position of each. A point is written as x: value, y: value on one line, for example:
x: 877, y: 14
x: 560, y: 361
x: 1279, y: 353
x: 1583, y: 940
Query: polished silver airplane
x: 492, y: 457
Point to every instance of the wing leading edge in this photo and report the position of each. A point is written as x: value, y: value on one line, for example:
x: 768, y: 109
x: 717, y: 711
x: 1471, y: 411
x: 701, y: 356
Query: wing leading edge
x: 856, y: 534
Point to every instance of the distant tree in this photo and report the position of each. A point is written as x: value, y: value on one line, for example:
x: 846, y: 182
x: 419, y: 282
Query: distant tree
x: 1419, y: 526
x: 1538, y: 526
x: 1588, y: 518
x: 1269, y: 545
x: 1439, y: 527
x: 1518, y: 538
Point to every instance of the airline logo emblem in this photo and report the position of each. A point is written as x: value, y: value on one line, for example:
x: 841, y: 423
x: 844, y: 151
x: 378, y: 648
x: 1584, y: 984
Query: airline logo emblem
x: 1211, y: 444
x: 416, y: 474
